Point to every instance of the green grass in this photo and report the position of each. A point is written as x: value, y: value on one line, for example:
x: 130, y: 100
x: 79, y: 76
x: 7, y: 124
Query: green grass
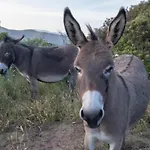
x: 55, y: 102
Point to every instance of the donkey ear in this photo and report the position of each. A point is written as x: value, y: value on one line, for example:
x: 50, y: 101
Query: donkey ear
x: 10, y: 39
x: 18, y: 40
x: 116, y: 27
x: 73, y: 29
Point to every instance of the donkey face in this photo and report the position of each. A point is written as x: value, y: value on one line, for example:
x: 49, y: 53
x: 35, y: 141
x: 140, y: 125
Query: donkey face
x: 7, y: 56
x: 94, y: 65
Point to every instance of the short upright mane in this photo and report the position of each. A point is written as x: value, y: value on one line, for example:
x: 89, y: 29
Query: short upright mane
x: 93, y: 36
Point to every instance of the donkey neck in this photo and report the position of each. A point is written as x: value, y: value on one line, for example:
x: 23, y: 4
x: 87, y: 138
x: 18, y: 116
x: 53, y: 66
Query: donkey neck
x: 116, y: 105
x: 22, y: 55
x: 112, y: 88
x: 118, y: 96
x: 117, y: 89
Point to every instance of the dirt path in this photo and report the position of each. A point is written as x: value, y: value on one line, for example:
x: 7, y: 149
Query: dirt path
x: 62, y: 136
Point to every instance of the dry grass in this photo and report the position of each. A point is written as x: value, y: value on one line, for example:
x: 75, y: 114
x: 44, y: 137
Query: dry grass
x: 18, y: 113
x: 55, y: 103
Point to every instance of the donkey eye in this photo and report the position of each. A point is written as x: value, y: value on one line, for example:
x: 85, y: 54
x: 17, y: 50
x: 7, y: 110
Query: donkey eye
x: 78, y: 69
x: 107, y: 71
x: 7, y: 54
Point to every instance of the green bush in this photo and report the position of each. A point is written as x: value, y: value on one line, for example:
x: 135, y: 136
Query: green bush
x: 37, y: 42
x: 55, y: 102
x: 3, y: 35
x: 136, y: 38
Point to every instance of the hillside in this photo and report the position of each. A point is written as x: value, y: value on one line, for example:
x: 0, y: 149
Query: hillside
x: 50, y: 37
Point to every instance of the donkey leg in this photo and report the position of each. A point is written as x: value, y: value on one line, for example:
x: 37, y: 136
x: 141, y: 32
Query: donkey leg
x: 123, y: 144
x: 33, y: 88
x: 71, y: 82
x: 72, y: 78
x: 117, y: 145
x: 89, y: 143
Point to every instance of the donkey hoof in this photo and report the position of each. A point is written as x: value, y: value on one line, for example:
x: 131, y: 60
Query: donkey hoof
x: 33, y: 97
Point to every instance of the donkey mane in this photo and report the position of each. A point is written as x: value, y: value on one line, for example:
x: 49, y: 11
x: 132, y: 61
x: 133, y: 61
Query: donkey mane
x: 26, y: 46
x: 8, y: 39
x: 92, y: 35
x: 50, y: 52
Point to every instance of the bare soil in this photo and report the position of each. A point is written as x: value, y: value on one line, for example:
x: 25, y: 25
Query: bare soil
x: 62, y: 136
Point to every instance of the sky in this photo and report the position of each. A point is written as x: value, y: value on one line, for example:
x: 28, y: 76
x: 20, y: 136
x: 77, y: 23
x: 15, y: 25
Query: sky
x: 48, y: 14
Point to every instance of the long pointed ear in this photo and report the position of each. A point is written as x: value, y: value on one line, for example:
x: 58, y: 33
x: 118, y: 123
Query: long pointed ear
x: 10, y: 39
x: 73, y: 29
x: 18, y: 40
x: 116, y: 27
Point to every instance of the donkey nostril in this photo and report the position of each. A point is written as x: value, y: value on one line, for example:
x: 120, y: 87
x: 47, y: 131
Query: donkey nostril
x: 100, y: 113
x: 83, y: 116
x: 98, y: 116
x: 92, y: 117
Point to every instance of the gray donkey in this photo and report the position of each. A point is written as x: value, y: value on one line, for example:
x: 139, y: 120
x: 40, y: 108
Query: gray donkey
x: 37, y: 64
x: 114, y: 93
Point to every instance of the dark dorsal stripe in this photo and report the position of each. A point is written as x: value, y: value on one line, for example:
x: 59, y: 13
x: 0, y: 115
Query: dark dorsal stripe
x: 128, y: 65
x: 51, y: 56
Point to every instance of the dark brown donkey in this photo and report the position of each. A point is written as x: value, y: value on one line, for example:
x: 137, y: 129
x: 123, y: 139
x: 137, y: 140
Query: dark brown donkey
x: 114, y: 93
x: 35, y: 63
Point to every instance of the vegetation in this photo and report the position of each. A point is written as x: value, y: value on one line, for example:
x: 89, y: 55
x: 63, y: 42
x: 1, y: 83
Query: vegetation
x: 136, y: 39
x: 37, y: 42
x: 31, y: 42
x: 2, y: 35
x: 55, y: 101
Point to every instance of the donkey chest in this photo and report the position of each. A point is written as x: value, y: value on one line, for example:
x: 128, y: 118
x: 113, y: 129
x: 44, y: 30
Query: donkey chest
x: 101, y: 136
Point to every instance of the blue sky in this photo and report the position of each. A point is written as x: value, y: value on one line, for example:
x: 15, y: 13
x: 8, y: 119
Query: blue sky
x: 48, y: 14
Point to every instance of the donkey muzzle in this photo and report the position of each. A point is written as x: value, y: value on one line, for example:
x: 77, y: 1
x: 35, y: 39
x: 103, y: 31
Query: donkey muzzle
x: 93, y: 120
x: 92, y: 108
x: 3, y: 69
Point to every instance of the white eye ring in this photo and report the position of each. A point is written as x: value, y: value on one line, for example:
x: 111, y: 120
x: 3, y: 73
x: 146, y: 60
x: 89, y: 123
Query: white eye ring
x: 107, y: 71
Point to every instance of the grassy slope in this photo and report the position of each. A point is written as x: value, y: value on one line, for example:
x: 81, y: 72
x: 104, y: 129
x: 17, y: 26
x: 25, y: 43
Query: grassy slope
x: 55, y: 103
x: 16, y: 108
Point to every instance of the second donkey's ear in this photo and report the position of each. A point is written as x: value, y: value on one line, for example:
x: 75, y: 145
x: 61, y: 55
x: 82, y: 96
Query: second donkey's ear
x: 18, y: 40
x: 116, y: 27
x: 73, y: 29
x: 10, y: 39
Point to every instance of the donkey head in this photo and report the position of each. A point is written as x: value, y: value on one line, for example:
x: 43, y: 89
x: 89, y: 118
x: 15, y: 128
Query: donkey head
x: 94, y: 64
x: 7, y: 56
